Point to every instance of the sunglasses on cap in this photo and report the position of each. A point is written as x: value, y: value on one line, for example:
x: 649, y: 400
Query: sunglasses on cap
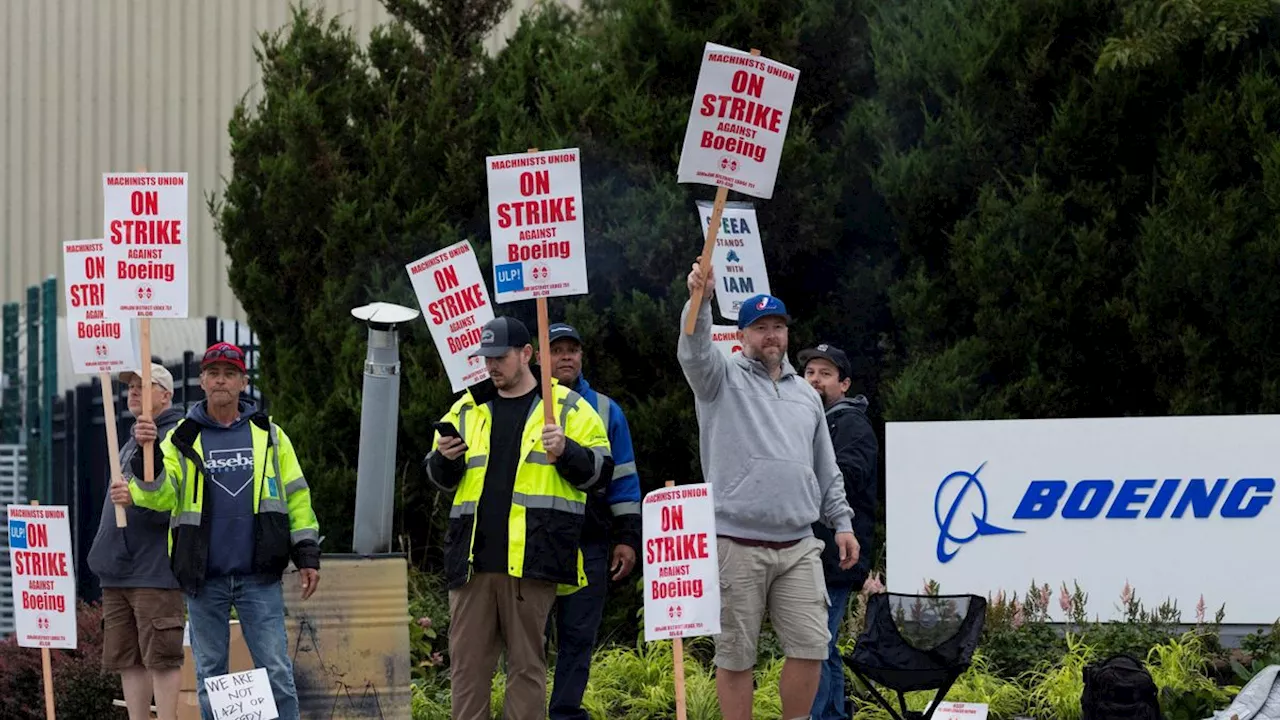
x: 223, y: 354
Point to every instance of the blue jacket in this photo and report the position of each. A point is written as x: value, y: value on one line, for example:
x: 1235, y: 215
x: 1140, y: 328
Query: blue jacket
x: 613, y: 518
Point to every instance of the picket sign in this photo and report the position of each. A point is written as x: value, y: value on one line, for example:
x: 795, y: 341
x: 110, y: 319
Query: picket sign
x: 738, y: 122
x: 547, y: 257
x: 99, y: 342
x: 242, y: 696
x: 161, y: 262
x: 43, y: 574
x: 681, y: 570
x: 455, y: 305
x: 727, y: 339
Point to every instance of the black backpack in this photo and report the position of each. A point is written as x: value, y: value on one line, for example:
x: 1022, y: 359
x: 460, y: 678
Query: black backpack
x: 1119, y: 688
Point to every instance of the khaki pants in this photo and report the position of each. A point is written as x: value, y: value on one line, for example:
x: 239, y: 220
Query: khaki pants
x: 493, y: 612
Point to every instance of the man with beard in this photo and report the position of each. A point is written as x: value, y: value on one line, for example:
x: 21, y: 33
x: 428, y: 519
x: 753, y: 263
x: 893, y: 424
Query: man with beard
x: 765, y: 449
x: 519, y: 497
x: 827, y: 369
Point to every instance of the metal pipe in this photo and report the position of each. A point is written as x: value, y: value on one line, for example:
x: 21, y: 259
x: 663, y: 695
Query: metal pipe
x: 379, y: 411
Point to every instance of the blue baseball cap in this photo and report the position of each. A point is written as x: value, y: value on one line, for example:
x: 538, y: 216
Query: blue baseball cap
x: 759, y: 306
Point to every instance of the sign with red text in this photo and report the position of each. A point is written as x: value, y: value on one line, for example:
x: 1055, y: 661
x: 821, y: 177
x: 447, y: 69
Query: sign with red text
x: 455, y: 304
x: 535, y: 220
x: 681, y: 566
x: 146, y: 244
x: 44, y: 581
x: 727, y: 339
x: 99, y: 343
x: 961, y: 711
x: 738, y: 258
x: 741, y: 108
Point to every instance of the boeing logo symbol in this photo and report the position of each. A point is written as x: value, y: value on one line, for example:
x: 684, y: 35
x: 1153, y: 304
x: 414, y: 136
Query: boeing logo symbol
x: 949, y: 514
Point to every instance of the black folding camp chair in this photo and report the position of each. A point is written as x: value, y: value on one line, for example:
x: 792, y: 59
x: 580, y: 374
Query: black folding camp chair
x: 916, y: 642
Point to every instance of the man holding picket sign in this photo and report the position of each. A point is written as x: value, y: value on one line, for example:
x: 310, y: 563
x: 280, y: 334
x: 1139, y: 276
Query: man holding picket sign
x: 764, y: 444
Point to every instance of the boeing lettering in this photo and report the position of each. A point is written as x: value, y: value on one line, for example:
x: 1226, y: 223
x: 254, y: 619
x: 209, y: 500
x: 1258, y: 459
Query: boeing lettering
x: 1045, y: 498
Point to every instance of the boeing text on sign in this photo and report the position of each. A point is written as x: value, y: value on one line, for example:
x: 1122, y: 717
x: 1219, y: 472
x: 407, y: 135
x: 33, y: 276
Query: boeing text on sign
x: 986, y: 505
x: 681, y: 569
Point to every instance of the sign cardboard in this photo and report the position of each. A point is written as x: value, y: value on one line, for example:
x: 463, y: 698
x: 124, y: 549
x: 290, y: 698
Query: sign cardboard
x: 727, y: 339
x: 242, y: 696
x: 738, y: 122
x: 99, y: 343
x: 455, y: 304
x: 961, y: 711
x: 535, y: 220
x: 981, y: 506
x: 145, y: 244
x: 44, y: 581
x: 681, y: 565
x: 738, y: 256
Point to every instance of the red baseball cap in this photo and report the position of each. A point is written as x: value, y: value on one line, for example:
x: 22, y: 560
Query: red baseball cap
x: 223, y: 352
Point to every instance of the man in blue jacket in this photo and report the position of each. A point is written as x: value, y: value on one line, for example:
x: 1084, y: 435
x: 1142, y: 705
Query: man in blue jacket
x: 613, y: 520
x: 827, y: 369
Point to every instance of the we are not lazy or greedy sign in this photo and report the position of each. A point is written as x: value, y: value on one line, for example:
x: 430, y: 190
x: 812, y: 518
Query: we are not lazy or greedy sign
x: 242, y: 696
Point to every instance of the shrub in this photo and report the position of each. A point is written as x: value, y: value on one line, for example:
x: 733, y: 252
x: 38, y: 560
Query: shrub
x: 81, y: 689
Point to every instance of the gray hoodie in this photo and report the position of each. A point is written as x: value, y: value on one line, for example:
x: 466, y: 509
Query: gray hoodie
x: 135, y: 556
x: 764, y: 444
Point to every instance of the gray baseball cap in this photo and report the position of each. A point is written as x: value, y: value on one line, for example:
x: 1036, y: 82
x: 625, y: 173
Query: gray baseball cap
x: 159, y: 376
x: 500, y: 335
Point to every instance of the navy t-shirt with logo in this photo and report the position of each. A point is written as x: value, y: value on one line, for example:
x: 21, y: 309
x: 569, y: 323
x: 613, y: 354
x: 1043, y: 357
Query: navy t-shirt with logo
x: 228, y: 491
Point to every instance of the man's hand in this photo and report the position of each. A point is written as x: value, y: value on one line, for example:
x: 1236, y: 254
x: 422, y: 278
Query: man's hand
x: 849, y: 549
x: 451, y: 447
x: 553, y: 439
x: 624, y: 559
x: 144, y: 430
x: 120, y: 493
x: 696, y: 281
x: 310, y: 578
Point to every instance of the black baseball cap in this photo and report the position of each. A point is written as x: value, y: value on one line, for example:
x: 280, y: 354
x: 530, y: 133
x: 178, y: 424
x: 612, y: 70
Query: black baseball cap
x: 560, y: 331
x: 831, y: 354
x: 500, y: 335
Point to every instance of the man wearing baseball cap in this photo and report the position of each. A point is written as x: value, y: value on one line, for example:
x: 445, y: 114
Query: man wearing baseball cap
x: 241, y: 510
x: 765, y: 448
x: 610, y: 537
x: 828, y: 370
x: 519, y: 490
x: 142, y: 609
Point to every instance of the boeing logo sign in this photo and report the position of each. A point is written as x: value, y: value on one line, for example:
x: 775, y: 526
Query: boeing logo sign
x: 960, y: 504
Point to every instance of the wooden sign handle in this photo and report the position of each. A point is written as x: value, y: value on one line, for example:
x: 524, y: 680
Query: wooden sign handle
x: 544, y: 361
x: 113, y: 442
x: 704, y: 260
x: 148, y: 459
x: 677, y: 652
x: 46, y: 662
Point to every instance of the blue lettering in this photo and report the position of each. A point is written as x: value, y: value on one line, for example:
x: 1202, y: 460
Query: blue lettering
x: 1127, y: 496
x: 1233, y: 506
x: 1041, y: 500
x: 1163, y: 498
x: 1199, y: 498
x: 1095, y: 491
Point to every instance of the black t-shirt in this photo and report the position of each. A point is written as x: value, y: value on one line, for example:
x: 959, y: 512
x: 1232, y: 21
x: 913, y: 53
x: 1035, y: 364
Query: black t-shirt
x: 494, y: 510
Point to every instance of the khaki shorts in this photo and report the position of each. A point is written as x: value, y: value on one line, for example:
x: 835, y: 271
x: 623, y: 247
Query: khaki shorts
x: 788, y: 582
x: 142, y: 627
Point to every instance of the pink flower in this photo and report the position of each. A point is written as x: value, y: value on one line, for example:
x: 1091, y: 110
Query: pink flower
x: 1200, y: 610
x: 872, y: 585
x: 424, y: 622
x: 1045, y: 595
x: 1064, y: 599
x: 1018, y: 617
x: 1000, y: 597
x: 1126, y: 595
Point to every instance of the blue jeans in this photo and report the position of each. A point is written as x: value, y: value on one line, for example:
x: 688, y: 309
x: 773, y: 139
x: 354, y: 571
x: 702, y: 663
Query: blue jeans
x: 829, y: 703
x: 577, y: 619
x: 260, y: 607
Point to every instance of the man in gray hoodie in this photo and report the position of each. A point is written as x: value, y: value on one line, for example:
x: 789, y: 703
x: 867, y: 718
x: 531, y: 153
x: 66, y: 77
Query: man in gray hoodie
x: 142, y: 607
x: 765, y: 450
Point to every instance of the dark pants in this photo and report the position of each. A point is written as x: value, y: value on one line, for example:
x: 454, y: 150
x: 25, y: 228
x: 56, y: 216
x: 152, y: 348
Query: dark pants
x: 577, y: 619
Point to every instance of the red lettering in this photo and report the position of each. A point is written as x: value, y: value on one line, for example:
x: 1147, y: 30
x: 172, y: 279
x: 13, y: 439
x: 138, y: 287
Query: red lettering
x: 88, y: 294
x: 446, y: 278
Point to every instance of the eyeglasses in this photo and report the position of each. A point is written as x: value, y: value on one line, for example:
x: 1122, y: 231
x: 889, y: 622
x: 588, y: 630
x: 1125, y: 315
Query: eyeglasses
x: 223, y: 354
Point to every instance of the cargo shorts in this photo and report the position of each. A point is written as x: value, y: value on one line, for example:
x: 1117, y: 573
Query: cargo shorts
x: 142, y: 627
x: 789, y: 584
